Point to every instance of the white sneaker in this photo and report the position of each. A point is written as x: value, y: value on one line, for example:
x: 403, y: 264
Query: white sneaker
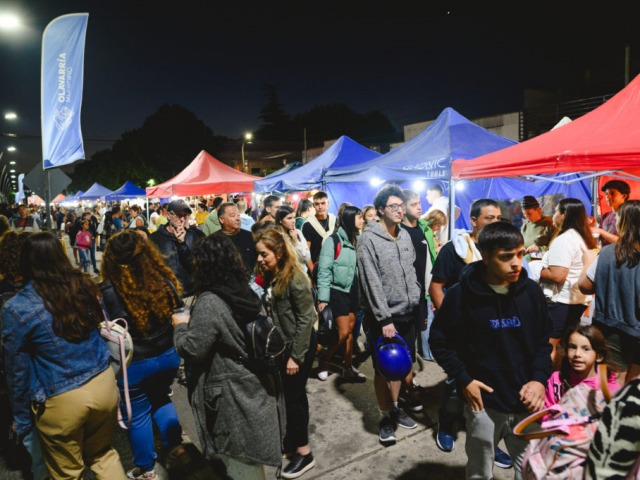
x: 323, y: 375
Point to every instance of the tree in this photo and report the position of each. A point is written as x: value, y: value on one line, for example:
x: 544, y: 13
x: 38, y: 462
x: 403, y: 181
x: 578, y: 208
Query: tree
x: 165, y: 144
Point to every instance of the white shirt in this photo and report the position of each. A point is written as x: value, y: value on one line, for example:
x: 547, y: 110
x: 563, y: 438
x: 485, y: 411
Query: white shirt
x: 565, y: 251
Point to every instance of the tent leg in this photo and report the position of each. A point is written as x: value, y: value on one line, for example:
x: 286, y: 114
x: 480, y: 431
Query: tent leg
x: 594, y: 197
x: 452, y: 208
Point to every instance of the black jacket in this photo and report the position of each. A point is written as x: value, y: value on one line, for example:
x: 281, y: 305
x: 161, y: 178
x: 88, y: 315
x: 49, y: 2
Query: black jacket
x: 178, y: 255
x: 501, y: 340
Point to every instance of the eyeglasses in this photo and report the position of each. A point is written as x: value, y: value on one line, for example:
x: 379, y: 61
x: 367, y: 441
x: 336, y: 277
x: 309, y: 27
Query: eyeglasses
x: 394, y: 207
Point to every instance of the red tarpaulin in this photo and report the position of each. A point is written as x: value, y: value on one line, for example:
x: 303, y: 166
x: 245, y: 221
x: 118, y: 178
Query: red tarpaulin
x: 607, y: 138
x: 205, y: 175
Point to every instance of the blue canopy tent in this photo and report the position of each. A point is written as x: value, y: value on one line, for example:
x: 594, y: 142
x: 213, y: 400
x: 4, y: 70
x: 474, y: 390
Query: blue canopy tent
x: 72, y: 198
x: 345, y: 152
x: 95, y: 192
x: 126, y: 191
x: 281, y: 171
x: 427, y: 158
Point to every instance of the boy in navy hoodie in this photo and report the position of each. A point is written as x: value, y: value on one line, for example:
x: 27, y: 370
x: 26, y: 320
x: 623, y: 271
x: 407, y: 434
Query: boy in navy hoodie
x: 491, y: 335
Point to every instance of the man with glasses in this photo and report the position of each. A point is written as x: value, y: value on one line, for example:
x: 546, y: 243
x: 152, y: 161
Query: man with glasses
x: 319, y: 226
x: 391, y: 294
x: 175, y: 240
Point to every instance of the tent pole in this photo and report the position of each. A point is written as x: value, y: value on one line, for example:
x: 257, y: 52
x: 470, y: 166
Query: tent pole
x: 452, y: 207
x: 594, y: 197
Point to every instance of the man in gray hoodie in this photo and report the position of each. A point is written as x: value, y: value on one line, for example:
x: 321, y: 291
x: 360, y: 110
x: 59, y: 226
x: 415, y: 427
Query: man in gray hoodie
x: 391, y: 294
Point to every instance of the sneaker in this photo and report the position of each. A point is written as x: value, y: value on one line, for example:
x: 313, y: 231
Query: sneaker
x: 412, y: 401
x: 323, y: 375
x: 352, y: 373
x: 138, y: 474
x: 401, y: 418
x: 387, y: 430
x: 502, y: 459
x: 445, y: 441
x: 299, y: 465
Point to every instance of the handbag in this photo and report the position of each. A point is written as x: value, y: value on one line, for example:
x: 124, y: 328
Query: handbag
x: 327, y: 327
x: 558, y: 448
x: 116, y: 335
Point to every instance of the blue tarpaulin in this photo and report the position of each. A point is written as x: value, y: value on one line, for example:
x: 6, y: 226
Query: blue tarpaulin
x: 426, y: 159
x: 95, y: 192
x: 128, y: 190
x: 345, y: 152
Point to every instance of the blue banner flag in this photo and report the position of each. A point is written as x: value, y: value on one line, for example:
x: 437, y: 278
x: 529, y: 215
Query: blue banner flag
x: 61, y: 89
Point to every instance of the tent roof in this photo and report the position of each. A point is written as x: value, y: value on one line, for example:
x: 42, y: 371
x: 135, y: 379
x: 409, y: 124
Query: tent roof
x: 429, y: 154
x: 607, y: 138
x: 59, y: 198
x: 344, y: 153
x: 127, y: 190
x: 95, y: 191
x: 203, y: 176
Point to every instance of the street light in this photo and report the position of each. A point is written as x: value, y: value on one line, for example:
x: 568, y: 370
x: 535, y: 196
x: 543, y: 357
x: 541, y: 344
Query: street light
x: 247, y: 139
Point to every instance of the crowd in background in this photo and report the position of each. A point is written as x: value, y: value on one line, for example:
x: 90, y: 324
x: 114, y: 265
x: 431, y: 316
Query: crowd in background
x: 551, y: 298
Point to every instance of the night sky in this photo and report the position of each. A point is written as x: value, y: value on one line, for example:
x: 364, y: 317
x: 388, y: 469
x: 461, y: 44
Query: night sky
x: 406, y: 59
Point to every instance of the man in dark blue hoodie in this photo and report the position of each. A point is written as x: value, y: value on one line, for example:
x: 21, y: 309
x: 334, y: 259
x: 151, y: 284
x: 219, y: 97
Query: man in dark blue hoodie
x: 491, y: 334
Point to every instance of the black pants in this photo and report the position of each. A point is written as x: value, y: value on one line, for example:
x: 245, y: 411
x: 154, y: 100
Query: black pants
x: 296, y: 401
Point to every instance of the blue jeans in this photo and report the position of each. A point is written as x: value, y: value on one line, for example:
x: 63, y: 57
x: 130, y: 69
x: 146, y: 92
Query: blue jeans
x: 93, y: 257
x: 84, y: 259
x: 424, y: 334
x: 32, y: 444
x: 149, y: 383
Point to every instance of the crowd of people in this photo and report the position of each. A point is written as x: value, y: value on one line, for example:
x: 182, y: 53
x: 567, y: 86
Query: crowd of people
x: 515, y: 316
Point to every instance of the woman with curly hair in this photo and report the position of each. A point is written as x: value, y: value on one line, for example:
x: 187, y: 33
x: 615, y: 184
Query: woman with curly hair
x: 243, y: 430
x: 57, y: 364
x: 290, y: 301
x: 139, y: 287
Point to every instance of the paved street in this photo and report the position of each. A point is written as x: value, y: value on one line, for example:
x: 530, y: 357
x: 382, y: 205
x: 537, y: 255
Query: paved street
x: 343, y: 434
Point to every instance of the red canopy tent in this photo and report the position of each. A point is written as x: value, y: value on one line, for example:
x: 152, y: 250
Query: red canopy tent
x: 205, y: 175
x: 604, y: 142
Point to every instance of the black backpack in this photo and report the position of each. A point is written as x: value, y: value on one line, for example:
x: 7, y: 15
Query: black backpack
x: 264, y: 345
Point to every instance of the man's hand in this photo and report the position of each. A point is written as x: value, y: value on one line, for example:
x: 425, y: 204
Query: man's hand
x: 473, y: 394
x: 532, y: 396
x: 321, y: 306
x: 389, y: 331
x: 180, y: 233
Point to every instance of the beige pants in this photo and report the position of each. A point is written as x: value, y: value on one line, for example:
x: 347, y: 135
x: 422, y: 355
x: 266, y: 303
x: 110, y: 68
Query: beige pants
x: 76, y: 427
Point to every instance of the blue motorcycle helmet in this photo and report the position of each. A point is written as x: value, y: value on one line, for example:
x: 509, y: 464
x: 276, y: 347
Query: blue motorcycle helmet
x: 393, y: 358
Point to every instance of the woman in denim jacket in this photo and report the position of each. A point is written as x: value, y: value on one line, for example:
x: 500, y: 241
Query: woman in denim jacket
x: 58, y: 364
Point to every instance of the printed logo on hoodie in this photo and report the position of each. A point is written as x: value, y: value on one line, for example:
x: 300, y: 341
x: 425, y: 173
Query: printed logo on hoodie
x: 513, y: 322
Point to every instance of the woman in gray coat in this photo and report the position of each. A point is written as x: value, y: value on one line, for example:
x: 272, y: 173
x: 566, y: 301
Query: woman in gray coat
x: 237, y: 412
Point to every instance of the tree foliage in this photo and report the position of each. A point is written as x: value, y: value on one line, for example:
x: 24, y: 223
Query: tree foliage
x: 160, y: 149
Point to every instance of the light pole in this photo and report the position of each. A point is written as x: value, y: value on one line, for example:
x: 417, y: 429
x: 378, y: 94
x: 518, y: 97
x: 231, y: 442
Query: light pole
x: 247, y: 139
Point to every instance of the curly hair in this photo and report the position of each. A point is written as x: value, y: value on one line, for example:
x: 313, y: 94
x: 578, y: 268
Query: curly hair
x: 4, y: 225
x: 69, y: 295
x: 10, y: 246
x: 277, y: 242
x: 139, y: 274
x: 216, y: 261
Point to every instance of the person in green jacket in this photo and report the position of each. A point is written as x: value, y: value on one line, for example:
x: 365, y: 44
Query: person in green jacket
x: 290, y: 301
x: 338, y: 288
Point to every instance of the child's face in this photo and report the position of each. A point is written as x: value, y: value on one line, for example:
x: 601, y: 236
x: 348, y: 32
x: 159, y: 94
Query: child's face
x: 582, y: 357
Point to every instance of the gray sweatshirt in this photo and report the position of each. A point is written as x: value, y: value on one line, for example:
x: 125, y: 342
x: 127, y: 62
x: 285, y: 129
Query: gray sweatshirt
x: 387, y: 276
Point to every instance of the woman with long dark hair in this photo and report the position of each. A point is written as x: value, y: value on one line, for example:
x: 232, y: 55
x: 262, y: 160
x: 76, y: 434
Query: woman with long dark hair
x: 236, y: 411
x: 58, y: 364
x: 139, y: 287
x: 290, y: 301
x: 338, y: 288
x: 614, y: 277
x: 561, y: 267
x: 286, y: 223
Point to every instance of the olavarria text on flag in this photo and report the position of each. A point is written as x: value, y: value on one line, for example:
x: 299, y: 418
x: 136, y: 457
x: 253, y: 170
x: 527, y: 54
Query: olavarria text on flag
x: 61, y: 89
